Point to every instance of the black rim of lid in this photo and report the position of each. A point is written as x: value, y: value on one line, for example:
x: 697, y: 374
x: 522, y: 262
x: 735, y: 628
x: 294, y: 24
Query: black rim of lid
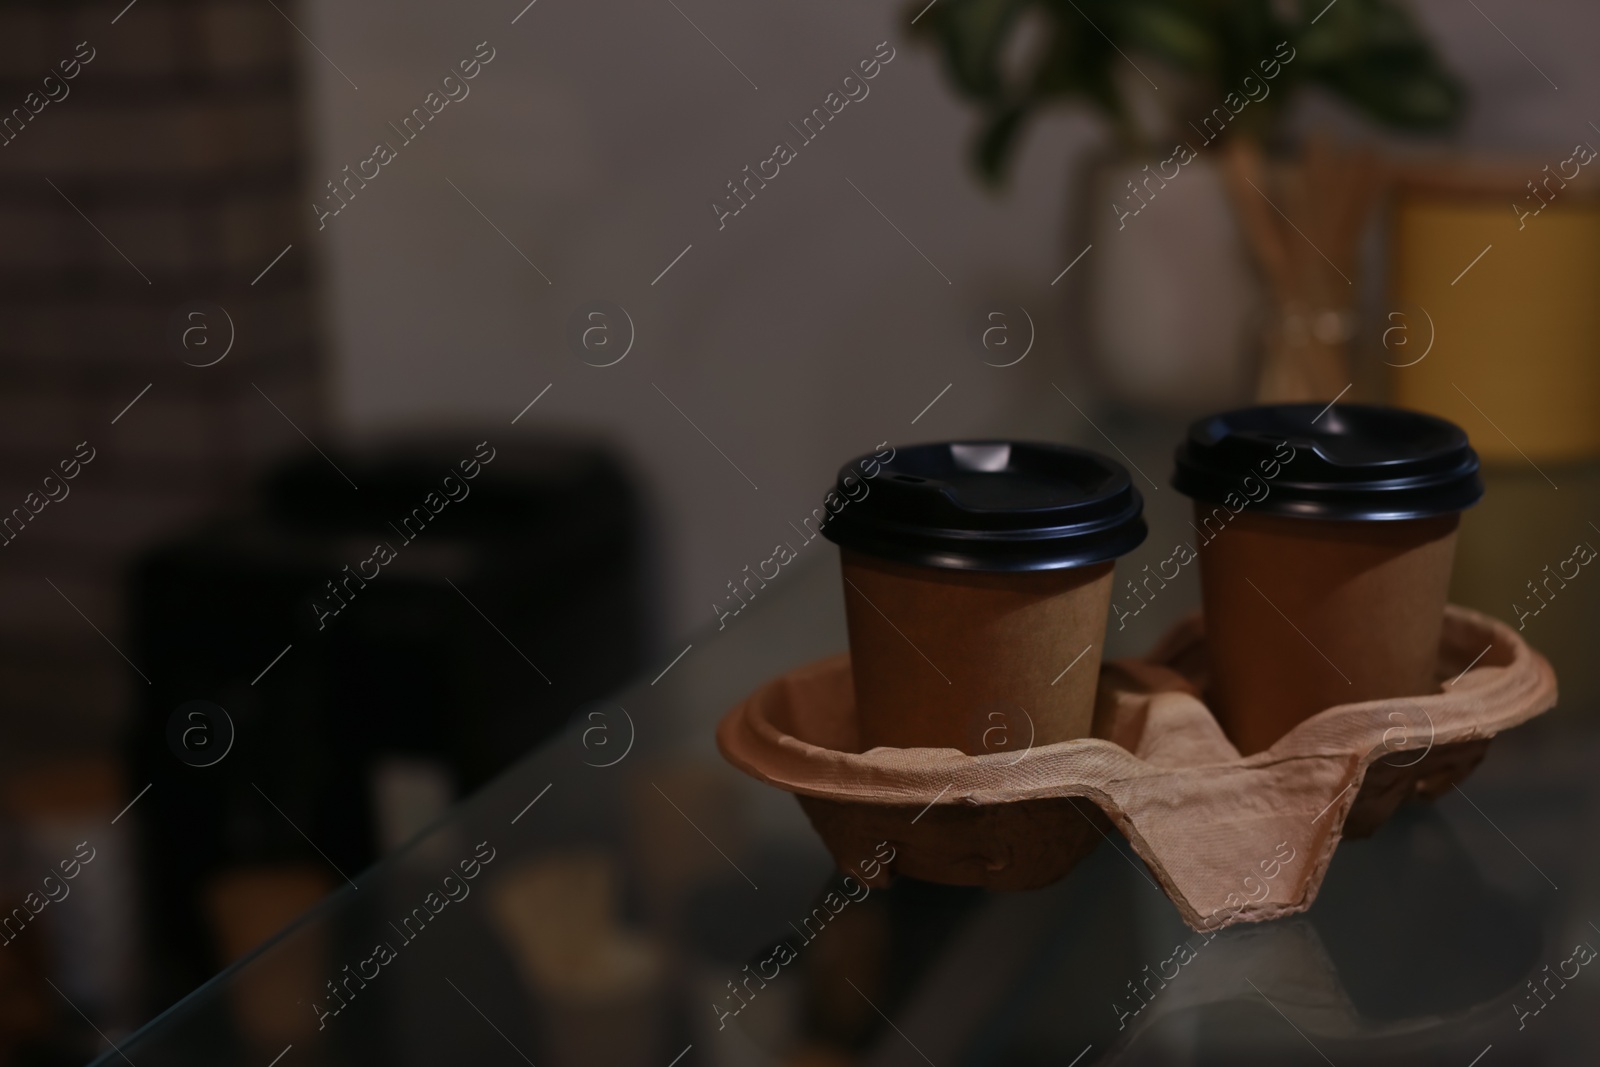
x: 1358, y: 462
x: 987, y: 506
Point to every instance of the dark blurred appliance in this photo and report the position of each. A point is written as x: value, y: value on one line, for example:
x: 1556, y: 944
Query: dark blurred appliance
x: 441, y: 600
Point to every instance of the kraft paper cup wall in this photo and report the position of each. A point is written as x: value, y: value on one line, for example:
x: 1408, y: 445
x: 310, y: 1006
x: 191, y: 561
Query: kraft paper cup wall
x: 1511, y: 338
x: 1326, y: 543
x: 975, y: 574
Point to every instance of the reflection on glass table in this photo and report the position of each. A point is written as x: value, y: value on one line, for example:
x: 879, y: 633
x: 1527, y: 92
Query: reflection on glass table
x: 622, y: 896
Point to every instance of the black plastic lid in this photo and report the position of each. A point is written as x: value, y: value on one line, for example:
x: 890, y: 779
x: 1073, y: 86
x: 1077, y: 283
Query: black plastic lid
x: 988, y: 506
x: 1350, y: 461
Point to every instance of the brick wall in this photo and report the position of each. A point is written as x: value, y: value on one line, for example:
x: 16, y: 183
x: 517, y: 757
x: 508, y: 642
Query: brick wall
x: 182, y: 140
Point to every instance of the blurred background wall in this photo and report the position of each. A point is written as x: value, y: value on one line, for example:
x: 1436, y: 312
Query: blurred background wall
x: 804, y: 332
x: 183, y: 135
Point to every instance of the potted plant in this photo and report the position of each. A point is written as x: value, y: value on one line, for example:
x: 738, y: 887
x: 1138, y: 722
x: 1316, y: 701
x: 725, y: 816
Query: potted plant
x: 1195, y: 93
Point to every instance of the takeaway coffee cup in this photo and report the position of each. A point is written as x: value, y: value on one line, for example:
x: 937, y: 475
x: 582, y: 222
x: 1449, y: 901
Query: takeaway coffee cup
x: 977, y: 579
x: 1326, y: 537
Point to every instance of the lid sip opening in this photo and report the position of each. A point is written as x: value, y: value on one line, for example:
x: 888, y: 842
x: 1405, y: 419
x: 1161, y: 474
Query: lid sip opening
x: 1353, y: 462
x: 992, y: 506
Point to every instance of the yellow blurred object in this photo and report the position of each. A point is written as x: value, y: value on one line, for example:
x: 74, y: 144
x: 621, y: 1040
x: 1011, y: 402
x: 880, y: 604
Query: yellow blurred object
x: 677, y: 804
x: 246, y: 906
x: 78, y: 787
x: 559, y: 914
x: 1504, y: 305
x: 599, y: 985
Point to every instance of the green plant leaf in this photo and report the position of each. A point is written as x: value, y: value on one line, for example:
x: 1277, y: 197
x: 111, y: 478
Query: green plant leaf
x: 1373, y: 55
x: 972, y: 35
x: 1370, y: 53
x: 993, y: 151
x: 1169, y: 34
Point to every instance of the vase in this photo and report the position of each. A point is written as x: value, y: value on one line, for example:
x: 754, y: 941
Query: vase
x: 1173, y: 306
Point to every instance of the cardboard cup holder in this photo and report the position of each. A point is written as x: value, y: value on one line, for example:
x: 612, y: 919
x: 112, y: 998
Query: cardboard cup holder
x: 1230, y: 838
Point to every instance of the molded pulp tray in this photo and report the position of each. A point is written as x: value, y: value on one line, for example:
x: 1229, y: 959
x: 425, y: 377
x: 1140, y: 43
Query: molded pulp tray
x: 1229, y: 838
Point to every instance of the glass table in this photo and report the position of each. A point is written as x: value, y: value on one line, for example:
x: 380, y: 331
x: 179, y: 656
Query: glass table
x: 600, y: 902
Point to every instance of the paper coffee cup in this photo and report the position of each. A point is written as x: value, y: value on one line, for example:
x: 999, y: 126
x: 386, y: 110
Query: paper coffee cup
x: 1326, y: 537
x: 977, y: 580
